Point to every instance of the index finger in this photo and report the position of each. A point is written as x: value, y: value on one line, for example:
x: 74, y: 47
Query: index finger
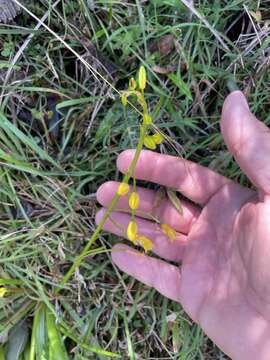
x: 194, y: 181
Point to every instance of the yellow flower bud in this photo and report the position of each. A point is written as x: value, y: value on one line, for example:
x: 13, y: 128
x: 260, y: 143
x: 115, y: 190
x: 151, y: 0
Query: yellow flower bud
x: 170, y: 232
x: 124, y: 100
x: 149, y: 142
x: 134, y: 200
x: 123, y: 189
x: 147, y: 119
x: 132, y: 231
x: 132, y: 84
x: 3, y: 292
x: 158, y: 138
x: 142, y: 78
x: 145, y: 242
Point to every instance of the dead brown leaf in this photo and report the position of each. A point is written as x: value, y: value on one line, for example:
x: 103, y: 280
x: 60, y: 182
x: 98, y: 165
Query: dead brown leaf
x: 164, y: 45
x: 164, y: 69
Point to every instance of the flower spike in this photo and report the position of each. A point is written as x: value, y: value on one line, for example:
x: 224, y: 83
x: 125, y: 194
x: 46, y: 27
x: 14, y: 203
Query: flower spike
x: 142, y: 78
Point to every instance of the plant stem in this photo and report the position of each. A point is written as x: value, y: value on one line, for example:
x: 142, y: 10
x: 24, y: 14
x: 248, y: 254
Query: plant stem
x: 114, y: 201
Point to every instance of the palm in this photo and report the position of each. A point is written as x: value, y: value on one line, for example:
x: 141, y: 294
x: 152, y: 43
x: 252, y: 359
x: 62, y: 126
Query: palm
x: 223, y: 246
x: 227, y: 260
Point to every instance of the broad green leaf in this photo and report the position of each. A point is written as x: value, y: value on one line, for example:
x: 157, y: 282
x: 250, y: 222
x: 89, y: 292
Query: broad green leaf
x: 75, y: 102
x: 39, y: 339
x: 172, y: 195
x: 10, y: 282
x: 17, y: 340
x: 56, y: 347
x: 15, y: 318
x: 2, y: 352
x: 26, y: 353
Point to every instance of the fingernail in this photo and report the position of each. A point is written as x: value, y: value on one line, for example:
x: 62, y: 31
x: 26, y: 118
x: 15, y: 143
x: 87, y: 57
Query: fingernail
x: 240, y: 99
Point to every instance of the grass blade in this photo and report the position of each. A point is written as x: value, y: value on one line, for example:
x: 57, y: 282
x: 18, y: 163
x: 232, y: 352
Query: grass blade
x: 13, y: 131
x: 85, y: 346
x: 174, y: 199
x: 129, y: 341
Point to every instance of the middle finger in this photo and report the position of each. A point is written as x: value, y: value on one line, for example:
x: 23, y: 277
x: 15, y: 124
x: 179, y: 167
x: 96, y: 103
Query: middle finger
x: 162, y: 246
x: 163, y: 210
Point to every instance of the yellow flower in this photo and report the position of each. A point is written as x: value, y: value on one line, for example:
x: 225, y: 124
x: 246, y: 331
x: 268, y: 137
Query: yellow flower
x: 134, y: 200
x: 124, y: 100
x: 142, y: 78
x: 149, y: 142
x: 158, y: 138
x: 123, y: 189
x: 3, y: 292
x: 145, y: 242
x: 147, y: 119
x: 170, y: 232
x: 132, y: 84
x: 132, y: 231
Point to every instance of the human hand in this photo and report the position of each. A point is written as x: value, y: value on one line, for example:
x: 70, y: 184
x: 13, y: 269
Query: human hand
x: 223, y: 244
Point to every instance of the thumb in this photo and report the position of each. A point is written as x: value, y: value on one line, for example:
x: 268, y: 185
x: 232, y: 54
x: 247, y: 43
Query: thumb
x: 247, y: 139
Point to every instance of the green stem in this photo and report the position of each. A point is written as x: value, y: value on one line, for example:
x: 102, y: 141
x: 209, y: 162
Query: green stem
x: 115, y: 199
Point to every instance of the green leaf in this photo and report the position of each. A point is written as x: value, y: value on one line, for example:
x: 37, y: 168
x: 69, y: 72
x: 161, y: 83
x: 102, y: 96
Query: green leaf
x: 10, y: 282
x: 181, y: 85
x: 176, y: 339
x: 39, y: 339
x: 86, y: 346
x: 18, y: 315
x: 56, y: 347
x: 17, y: 340
x: 172, y: 195
x: 75, y: 102
x: 2, y: 352
x: 26, y: 353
